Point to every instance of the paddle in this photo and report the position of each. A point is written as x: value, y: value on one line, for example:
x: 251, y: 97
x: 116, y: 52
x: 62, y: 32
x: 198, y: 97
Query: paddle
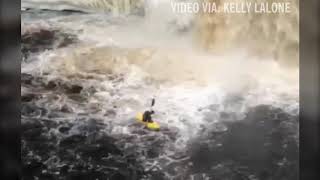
x: 152, y: 102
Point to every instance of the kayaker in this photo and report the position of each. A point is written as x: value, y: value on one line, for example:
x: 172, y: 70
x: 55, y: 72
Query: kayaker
x: 147, y: 115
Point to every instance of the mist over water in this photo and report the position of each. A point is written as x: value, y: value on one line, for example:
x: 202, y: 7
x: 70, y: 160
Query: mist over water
x: 85, y: 76
x: 273, y: 35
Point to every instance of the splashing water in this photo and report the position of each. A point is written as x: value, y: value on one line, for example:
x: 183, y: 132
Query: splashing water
x: 266, y: 34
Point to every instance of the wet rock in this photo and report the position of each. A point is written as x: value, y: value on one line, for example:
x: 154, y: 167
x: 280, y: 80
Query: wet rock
x: 47, y: 13
x: 73, y: 89
x: 66, y: 86
x: 51, y: 85
x: 34, y: 42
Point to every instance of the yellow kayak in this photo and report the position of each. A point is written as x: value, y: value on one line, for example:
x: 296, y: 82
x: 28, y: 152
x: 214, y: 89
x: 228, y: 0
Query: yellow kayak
x: 152, y: 126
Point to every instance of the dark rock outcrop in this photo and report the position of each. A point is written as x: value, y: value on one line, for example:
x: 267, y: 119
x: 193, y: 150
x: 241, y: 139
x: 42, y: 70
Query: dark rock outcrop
x: 44, y: 39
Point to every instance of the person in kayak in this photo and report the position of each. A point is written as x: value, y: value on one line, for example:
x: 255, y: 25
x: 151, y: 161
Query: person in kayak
x: 147, y: 115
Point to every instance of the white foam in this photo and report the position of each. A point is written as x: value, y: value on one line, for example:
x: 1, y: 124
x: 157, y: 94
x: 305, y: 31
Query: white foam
x: 182, y: 103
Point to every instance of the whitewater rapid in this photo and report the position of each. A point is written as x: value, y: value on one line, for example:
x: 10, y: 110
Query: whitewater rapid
x: 122, y: 63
